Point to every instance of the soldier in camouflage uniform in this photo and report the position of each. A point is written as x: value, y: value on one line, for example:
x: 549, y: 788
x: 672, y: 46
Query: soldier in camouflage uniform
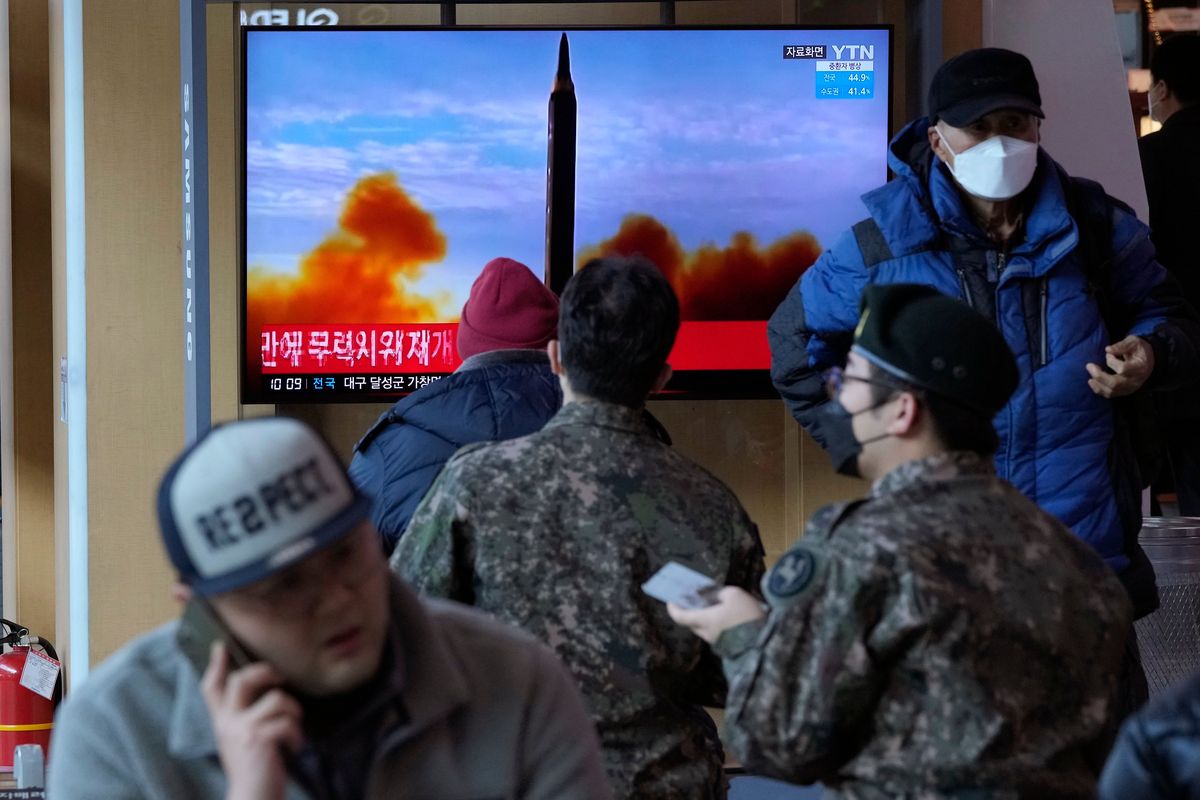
x: 943, y: 637
x: 555, y: 533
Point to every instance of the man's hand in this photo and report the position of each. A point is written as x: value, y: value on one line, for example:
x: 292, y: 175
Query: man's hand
x: 254, y: 722
x: 734, y: 606
x: 1131, y: 360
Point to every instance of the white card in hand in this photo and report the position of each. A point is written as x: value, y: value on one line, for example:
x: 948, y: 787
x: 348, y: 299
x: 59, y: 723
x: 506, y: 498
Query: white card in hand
x: 682, y: 586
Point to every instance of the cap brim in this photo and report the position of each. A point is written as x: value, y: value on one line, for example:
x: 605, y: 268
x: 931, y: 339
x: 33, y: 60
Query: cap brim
x: 965, y: 112
x: 298, y: 550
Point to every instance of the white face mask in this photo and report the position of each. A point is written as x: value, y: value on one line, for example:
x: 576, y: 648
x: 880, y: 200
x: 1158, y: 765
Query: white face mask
x: 998, y: 168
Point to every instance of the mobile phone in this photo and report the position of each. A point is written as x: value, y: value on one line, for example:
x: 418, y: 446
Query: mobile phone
x: 683, y: 586
x: 199, y: 628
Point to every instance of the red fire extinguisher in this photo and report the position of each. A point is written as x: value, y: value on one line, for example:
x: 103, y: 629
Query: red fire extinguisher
x: 26, y: 717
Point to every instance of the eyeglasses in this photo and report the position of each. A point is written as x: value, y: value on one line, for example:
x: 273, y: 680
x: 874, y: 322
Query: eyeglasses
x: 298, y: 590
x: 836, y: 377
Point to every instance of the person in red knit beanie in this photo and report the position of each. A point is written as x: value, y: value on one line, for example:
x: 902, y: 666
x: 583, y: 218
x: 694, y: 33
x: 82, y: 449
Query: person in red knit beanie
x: 508, y: 309
x: 503, y: 389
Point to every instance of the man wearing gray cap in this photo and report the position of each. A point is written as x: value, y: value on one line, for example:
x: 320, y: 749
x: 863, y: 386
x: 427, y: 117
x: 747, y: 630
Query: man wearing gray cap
x: 1067, y: 274
x: 943, y: 637
x: 302, y: 669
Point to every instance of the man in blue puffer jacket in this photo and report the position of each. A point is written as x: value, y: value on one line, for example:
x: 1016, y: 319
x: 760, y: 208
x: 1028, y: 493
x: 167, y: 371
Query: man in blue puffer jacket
x: 503, y: 389
x: 980, y: 212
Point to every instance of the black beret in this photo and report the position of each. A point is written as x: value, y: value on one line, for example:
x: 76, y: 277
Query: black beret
x: 936, y: 343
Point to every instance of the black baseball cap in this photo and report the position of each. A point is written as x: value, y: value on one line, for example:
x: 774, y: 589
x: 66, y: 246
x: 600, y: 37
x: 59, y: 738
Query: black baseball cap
x: 981, y: 81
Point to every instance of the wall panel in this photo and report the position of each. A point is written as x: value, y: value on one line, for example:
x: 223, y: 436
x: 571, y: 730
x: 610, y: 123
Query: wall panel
x: 134, y: 306
x: 29, y: 512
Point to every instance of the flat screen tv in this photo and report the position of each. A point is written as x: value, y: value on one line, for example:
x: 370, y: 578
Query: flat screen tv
x: 383, y: 167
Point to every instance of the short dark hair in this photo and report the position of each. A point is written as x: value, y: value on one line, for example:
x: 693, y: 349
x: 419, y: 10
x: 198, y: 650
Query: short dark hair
x: 958, y: 427
x: 616, y: 325
x: 1177, y: 62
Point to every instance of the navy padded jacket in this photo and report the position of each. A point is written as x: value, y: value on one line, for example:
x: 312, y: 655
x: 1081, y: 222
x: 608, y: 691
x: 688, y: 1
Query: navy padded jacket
x: 501, y: 394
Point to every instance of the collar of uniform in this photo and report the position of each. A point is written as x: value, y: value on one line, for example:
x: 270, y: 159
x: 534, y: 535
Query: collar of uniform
x: 940, y: 467
x: 600, y: 414
x: 427, y: 680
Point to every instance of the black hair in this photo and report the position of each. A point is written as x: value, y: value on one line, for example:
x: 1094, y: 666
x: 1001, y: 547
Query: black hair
x: 616, y: 325
x: 957, y: 426
x: 1177, y: 62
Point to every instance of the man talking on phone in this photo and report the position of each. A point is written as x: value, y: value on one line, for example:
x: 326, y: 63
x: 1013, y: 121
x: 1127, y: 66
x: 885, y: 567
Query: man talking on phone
x: 302, y: 669
x: 943, y: 637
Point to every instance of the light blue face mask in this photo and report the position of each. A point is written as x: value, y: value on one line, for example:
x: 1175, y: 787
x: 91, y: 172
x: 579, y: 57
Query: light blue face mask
x: 998, y: 168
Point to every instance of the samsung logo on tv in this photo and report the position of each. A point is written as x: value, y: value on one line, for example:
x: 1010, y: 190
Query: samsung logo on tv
x: 283, y: 16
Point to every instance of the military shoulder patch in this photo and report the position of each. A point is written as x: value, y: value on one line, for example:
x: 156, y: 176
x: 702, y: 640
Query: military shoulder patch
x: 794, y: 570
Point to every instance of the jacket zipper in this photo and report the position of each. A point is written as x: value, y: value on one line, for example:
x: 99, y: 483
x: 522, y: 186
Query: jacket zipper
x: 962, y: 285
x: 1043, y: 291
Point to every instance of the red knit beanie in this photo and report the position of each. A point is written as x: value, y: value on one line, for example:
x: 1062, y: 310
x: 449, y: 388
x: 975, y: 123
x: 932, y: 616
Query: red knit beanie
x: 508, y: 309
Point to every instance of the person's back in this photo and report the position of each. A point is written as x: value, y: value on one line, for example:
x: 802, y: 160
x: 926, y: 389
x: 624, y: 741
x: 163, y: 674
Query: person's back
x: 503, y: 389
x: 555, y: 532
x: 1003, y: 633
x: 492, y: 396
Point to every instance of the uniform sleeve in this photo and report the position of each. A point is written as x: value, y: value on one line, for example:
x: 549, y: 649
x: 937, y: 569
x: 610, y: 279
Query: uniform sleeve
x: 810, y: 332
x: 560, y: 759
x: 706, y: 684
x: 1149, y: 303
x: 746, y: 565
x: 86, y: 759
x: 801, y: 696
x: 435, y: 555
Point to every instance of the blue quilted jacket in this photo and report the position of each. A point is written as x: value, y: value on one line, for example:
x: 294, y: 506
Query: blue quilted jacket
x: 496, y: 395
x: 1057, y: 436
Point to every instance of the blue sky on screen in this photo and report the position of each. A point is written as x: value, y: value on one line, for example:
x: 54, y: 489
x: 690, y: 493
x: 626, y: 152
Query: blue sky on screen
x: 711, y: 132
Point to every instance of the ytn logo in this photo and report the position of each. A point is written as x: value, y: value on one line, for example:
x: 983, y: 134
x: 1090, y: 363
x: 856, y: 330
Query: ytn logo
x: 281, y: 16
x: 853, y: 52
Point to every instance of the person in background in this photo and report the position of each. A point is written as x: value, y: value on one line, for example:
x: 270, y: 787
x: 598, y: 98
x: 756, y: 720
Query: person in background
x: 1171, y: 169
x: 345, y: 685
x: 555, y: 533
x: 1066, y: 273
x: 943, y: 637
x: 503, y: 389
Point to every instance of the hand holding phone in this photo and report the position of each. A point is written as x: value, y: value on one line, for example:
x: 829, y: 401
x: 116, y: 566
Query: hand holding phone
x: 256, y: 723
x: 683, y: 586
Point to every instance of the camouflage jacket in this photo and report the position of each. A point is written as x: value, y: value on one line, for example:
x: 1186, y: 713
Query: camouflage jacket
x: 943, y: 638
x: 555, y: 533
